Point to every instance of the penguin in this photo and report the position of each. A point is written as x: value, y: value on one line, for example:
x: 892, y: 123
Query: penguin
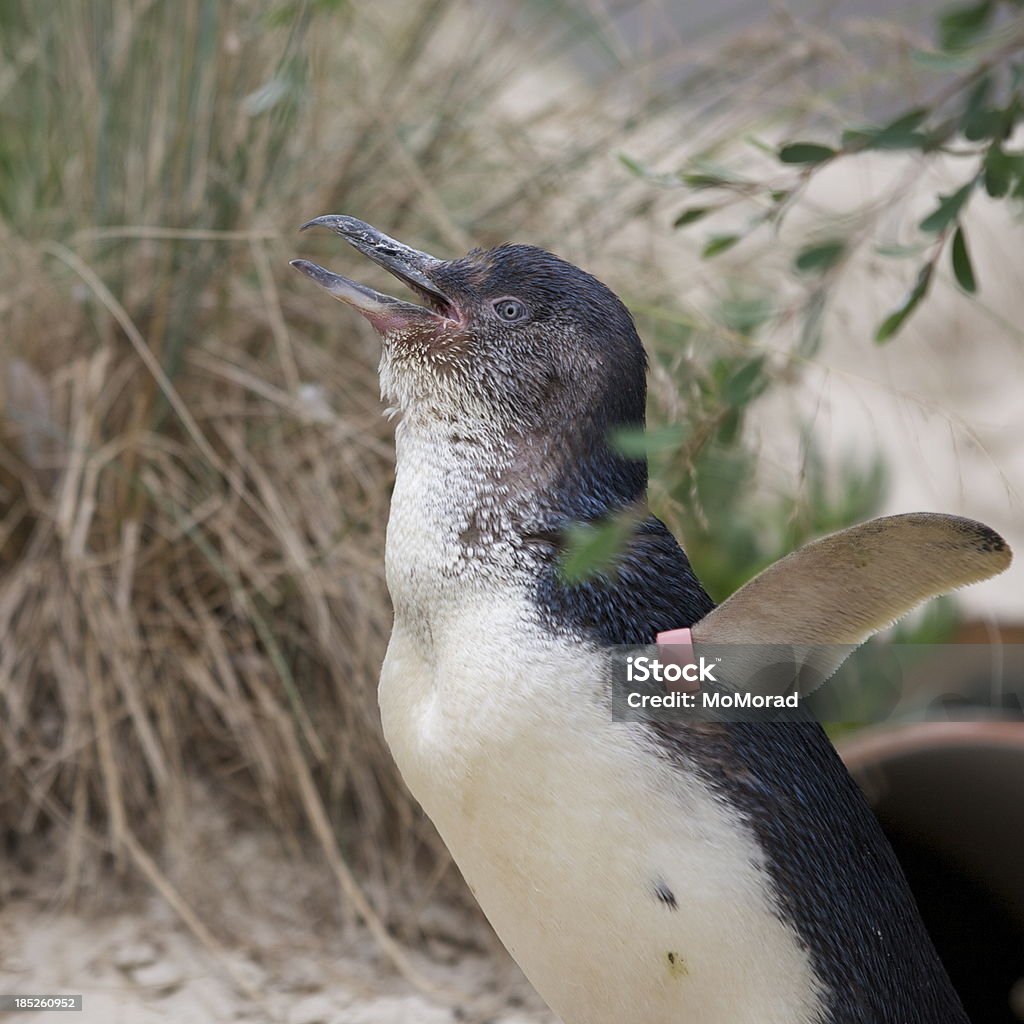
x: 639, y: 872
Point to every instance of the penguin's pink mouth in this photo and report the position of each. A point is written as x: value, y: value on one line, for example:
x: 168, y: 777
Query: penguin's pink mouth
x: 413, y: 268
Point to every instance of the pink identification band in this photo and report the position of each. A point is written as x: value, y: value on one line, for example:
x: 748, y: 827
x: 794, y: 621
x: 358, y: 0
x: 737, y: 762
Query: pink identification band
x: 678, y: 644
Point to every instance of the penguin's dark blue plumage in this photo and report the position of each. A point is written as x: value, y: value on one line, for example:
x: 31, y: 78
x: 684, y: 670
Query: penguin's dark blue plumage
x: 835, y: 876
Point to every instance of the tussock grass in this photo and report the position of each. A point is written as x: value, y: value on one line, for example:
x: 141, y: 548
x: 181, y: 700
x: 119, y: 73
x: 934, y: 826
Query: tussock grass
x: 194, y: 471
x: 194, y: 479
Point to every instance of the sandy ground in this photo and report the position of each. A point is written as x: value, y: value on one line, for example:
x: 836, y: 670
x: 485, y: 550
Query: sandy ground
x: 271, y: 946
x: 145, y: 967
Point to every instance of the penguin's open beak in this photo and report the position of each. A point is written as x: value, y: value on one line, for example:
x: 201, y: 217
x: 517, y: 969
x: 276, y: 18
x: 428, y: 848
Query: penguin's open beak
x: 410, y: 266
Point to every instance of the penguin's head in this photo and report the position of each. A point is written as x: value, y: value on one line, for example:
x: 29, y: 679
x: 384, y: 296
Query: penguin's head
x: 513, y: 337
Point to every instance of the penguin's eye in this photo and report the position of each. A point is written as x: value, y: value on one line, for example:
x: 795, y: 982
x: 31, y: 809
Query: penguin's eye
x: 510, y: 310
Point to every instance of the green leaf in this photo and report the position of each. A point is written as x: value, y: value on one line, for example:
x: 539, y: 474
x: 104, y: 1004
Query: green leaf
x: 821, y: 256
x: 639, y: 444
x: 805, y: 153
x: 948, y: 209
x: 746, y: 383
x: 895, y: 320
x: 691, y: 216
x: 593, y: 548
x: 729, y: 428
x: 814, y: 316
x: 962, y: 268
x: 908, y: 121
x: 702, y: 172
x: 1000, y: 170
x: 894, y: 250
x: 745, y: 313
x: 899, y: 134
x: 1012, y: 115
x: 633, y: 166
x: 986, y: 123
x: 857, y: 138
x: 961, y: 26
x: 719, y: 243
x: 977, y: 106
x: 700, y: 179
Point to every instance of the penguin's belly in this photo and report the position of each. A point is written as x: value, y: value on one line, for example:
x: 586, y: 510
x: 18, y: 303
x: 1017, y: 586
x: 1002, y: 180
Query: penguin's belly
x: 625, y: 889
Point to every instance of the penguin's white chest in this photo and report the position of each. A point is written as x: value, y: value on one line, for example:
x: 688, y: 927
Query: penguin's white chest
x: 624, y: 887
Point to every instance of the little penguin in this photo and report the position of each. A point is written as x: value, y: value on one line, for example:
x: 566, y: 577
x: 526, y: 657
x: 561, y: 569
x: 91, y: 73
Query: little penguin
x: 638, y: 872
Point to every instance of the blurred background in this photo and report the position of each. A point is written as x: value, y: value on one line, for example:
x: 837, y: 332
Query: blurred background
x: 813, y: 211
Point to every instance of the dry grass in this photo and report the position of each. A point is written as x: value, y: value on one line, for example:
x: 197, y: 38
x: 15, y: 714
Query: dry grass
x: 190, y: 589
x: 194, y: 471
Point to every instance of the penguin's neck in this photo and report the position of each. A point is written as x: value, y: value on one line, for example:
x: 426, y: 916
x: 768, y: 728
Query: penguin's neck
x: 476, y: 507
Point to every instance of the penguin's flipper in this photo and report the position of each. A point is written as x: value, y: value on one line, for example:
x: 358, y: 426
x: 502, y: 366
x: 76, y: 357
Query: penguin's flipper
x: 843, y: 588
